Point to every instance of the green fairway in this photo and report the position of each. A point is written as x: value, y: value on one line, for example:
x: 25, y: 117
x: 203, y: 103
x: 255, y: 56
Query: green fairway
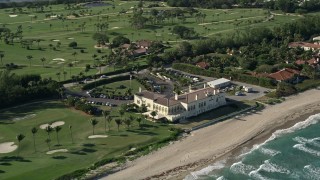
x: 81, y: 154
x: 56, y: 34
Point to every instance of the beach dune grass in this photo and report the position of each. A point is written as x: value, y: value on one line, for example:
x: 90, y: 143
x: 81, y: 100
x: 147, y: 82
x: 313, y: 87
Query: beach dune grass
x: 79, y: 155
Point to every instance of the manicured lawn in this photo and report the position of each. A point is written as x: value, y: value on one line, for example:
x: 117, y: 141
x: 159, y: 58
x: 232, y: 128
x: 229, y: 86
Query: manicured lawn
x: 115, y: 87
x: 218, y: 22
x: 81, y: 154
x: 213, y: 114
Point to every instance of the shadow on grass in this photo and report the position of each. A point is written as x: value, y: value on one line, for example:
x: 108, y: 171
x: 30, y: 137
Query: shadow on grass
x: 22, y: 111
x: 143, y: 132
x: 5, y: 164
x: 13, y: 158
x: 1, y: 172
x: 59, y: 157
x: 87, y: 150
x: 89, y: 145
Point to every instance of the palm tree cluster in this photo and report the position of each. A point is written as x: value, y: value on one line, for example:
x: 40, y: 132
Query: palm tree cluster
x: 49, y: 129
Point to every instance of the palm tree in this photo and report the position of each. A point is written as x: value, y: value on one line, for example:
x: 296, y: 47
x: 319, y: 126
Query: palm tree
x: 70, y: 66
x: 34, y: 130
x: 139, y: 119
x: 153, y: 114
x: 93, y: 122
x: 58, y: 75
x: 43, y: 60
x: 127, y: 122
x: 48, y: 143
x: 29, y: 58
x: 49, y: 130
x: 119, y: 122
x: 105, y: 115
x: 109, y: 119
x: 74, y: 54
x: 121, y: 112
x: 64, y: 75
x: 1, y: 57
x: 57, y: 129
x: 19, y: 137
x: 70, y: 128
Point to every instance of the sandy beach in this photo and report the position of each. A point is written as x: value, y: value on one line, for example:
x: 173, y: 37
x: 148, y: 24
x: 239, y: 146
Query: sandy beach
x: 206, y: 145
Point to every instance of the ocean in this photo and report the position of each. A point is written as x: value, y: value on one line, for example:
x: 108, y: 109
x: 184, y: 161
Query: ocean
x: 292, y: 153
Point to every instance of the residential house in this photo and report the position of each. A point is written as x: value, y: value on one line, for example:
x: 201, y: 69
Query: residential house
x: 286, y: 75
x: 306, y: 46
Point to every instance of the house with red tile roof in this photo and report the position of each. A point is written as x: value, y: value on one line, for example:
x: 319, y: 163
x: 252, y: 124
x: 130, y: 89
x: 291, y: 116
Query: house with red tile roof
x: 286, y: 75
x: 203, y: 65
x: 180, y: 107
x: 146, y: 44
x: 306, y: 46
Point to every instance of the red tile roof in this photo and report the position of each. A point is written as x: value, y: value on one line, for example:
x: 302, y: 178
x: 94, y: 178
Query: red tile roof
x: 202, y: 65
x: 304, y: 44
x: 284, y: 74
x: 313, y: 61
x: 300, y: 62
x: 144, y: 43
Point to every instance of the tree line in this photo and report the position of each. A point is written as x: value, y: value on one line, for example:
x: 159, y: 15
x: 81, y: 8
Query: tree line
x: 18, y: 89
x: 288, y: 6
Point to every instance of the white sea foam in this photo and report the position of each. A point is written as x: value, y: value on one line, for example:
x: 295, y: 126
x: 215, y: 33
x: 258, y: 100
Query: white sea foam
x: 267, y: 166
x: 302, y: 140
x: 312, y: 172
x: 300, y: 125
x: 206, y: 170
x: 308, y: 150
x: 241, y: 168
x: 270, y: 152
x: 221, y: 178
x: 271, y: 167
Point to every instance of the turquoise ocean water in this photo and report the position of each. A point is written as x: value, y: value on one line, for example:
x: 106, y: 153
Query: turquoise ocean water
x: 292, y: 153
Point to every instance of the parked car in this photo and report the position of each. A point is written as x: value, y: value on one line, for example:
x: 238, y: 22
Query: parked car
x: 103, y: 76
x: 239, y: 93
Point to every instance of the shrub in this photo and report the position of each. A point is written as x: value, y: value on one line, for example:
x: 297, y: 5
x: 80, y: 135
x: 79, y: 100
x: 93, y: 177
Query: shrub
x: 73, y: 44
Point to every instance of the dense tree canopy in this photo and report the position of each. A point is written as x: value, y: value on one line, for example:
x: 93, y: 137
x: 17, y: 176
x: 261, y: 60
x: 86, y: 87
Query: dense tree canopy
x: 17, y: 89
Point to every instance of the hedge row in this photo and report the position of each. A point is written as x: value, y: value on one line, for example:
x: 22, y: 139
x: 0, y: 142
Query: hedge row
x: 265, y: 82
x: 119, y: 71
x: 105, y: 81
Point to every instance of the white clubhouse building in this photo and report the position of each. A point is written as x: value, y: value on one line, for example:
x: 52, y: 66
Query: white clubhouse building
x: 180, y: 107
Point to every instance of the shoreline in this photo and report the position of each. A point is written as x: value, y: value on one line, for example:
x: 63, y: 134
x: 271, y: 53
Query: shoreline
x: 249, y: 144
x: 214, y: 143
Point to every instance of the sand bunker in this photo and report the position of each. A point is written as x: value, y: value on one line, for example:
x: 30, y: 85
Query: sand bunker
x: 57, y: 150
x: 13, y: 15
x: 58, y: 59
x: 29, y: 116
x: 56, y: 40
x: 53, y: 125
x: 7, y: 147
x: 70, y: 38
x: 115, y: 27
x: 97, y: 136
